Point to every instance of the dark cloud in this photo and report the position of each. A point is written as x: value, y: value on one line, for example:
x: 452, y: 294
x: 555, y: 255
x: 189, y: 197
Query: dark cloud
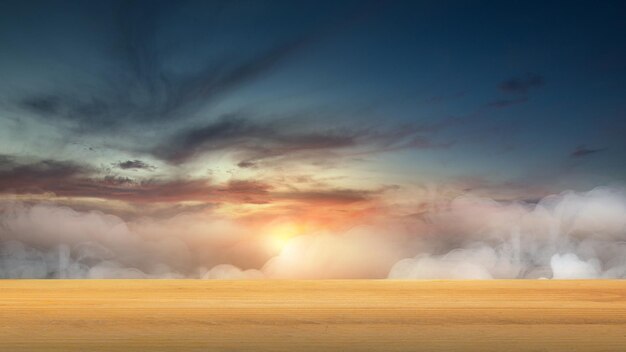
x: 66, y: 179
x: 522, y: 84
x: 582, y: 151
x: 255, y: 141
x: 215, y: 136
x: 335, y: 196
x: 164, y: 98
x: 246, y: 165
x: 39, y: 177
x: 69, y: 179
x: 140, y: 87
x: 134, y: 165
x: 117, y: 181
x: 6, y: 160
x: 43, y: 104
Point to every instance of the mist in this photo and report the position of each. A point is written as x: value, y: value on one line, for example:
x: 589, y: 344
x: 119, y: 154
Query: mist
x: 572, y: 235
x: 567, y: 236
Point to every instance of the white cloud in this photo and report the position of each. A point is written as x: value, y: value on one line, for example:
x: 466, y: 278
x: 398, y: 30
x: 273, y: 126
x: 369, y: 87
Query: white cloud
x: 231, y: 272
x: 569, y: 266
x: 481, y: 238
x: 571, y: 235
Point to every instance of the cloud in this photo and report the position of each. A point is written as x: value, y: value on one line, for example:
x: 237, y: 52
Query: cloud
x: 69, y: 179
x: 253, y: 142
x: 6, y: 160
x: 569, y: 266
x: 569, y: 235
x: 166, y: 96
x: 522, y: 84
x: 50, y: 241
x: 37, y: 177
x: 333, y: 196
x: 75, y: 181
x: 231, y: 272
x: 582, y: 151
x: 139, y: 86
x: 142, y: 91
x: 519, y: 87
x: 478, y: 263
x: 151, y: 73
x: 247, y: 164
x: 134, y: 165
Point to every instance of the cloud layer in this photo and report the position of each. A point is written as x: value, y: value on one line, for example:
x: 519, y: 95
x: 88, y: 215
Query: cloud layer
x: 566, y: 236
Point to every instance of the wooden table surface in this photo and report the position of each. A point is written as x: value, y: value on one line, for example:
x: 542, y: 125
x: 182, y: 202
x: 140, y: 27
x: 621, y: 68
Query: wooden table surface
x: 351, y: 315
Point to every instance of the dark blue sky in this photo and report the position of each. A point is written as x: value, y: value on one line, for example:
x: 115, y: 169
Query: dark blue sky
x: 515, y: 99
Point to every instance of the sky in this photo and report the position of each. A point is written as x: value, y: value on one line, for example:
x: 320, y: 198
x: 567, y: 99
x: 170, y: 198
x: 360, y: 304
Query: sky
x: 340, y: 139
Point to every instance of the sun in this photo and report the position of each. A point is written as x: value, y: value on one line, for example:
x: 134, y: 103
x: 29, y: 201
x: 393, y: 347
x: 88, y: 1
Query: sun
x: 279, y: 234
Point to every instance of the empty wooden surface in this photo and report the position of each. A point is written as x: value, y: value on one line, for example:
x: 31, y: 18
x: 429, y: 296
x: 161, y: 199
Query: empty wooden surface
x: 186, y: 315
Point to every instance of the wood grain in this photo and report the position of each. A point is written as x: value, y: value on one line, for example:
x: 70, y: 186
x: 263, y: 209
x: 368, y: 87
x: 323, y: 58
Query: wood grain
x: 181, y: 315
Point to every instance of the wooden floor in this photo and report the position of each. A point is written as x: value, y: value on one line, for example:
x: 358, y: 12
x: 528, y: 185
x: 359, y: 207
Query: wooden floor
x: 146, y: 315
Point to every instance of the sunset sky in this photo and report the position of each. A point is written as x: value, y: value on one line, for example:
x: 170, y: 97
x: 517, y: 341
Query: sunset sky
x: 176, y: 137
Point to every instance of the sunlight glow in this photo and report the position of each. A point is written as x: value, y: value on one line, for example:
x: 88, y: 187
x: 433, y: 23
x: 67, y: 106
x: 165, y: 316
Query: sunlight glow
x: 279, y: 234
